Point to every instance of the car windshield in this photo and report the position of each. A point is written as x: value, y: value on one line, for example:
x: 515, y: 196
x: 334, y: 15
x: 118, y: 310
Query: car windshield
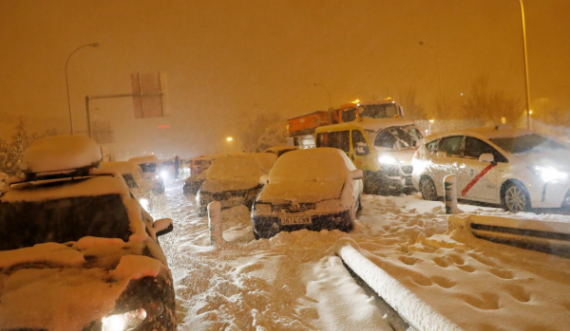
x: 24, y: 224
x: 148, y: 167
x: 527, y: 143
x: 384, y: 110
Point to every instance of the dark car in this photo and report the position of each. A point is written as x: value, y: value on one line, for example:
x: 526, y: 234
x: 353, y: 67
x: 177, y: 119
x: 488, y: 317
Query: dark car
x: 234, y: 180
x: 83, y: 253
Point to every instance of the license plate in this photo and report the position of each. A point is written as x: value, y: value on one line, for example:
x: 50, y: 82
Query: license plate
x: 295, y: 220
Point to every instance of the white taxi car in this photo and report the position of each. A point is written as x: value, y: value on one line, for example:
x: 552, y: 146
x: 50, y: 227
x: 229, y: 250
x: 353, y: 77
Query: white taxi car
x: 515, y: 168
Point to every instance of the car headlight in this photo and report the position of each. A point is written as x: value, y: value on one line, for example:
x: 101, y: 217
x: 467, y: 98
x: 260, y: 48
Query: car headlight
x: 387, y: 159
x: 547, y: 174
x: 124, y: 322
x: 164, y: 174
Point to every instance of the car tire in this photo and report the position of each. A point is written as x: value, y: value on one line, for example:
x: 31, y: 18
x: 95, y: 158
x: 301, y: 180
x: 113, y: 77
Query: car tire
x: 515, y: 198
x: 428, y: 189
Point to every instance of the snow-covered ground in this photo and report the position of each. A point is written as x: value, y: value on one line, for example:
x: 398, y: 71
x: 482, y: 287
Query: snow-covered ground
x: 295, y: 281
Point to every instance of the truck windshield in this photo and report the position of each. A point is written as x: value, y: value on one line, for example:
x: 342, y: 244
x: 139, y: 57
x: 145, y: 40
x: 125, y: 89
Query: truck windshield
x: 25, y: 224
x: 384, y: 110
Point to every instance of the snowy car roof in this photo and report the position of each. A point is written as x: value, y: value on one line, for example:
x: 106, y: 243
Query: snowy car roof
x: 320, y: 164
x: 368, y: 124
x: 60, y: 154
x: 277, y: 149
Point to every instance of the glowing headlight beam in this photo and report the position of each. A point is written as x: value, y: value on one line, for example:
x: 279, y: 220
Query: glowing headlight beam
x: 387, y: 159
x: 547, y: 174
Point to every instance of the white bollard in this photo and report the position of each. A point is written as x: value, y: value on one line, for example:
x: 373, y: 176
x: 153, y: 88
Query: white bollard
x: 215, y: 222
x: 450, y: 195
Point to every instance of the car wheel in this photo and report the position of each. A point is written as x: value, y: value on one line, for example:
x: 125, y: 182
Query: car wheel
x: 515, y: 198
x: 428, y: 190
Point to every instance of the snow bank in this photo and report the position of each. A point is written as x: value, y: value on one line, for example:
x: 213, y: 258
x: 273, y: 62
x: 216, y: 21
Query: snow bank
x: 60, y: 153
x: 417, y: 312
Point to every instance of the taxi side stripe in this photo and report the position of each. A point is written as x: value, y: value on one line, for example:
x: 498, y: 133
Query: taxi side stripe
x: 476, y: 178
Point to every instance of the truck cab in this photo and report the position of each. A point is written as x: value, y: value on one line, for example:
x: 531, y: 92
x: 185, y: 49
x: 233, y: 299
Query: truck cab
x: 381, y: 148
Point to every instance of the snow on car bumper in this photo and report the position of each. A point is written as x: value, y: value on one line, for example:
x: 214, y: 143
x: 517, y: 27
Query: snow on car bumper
x: 268, y: 226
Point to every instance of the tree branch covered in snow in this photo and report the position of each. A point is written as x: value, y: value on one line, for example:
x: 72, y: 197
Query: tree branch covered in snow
x: 11, y: 151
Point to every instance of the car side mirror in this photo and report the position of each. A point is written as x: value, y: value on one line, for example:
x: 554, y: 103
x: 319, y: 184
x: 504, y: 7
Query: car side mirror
x: 264, y: 179
x: 487, y: 157
x: 356, y: 174
x: 163, y: 226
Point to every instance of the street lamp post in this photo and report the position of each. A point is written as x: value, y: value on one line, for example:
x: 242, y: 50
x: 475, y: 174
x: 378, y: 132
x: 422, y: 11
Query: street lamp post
x: 439, y: 71
x: 328, y: 93
x: 527, y: 83
x: 67, y: 81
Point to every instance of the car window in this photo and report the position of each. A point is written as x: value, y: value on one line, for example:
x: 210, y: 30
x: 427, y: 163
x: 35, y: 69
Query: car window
x: 131, y: 183
x: 432, y: 146
x: 337, y: 139
x: 349, y: 115
x: 24, y: 224
x: 475, y: 147
x: 359, y: 143
x: 451, y: 146
x: 527, y: 143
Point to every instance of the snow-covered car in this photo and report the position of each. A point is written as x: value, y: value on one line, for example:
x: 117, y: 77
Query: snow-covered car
x: 281, y: 149
x: 311, y: 189
x: 140, y: 186
x: 193, y: 183
x: 514, y: 168
x: 151, y: 170
x: 234, y: 180
x: 198, y: 172
x: 381, y: 148
x: 77, y: 250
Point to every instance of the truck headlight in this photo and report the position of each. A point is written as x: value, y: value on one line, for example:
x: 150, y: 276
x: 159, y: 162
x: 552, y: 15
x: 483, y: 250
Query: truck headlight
x: 387, y: 159
x: 124, y: 322
x: 547, y: 174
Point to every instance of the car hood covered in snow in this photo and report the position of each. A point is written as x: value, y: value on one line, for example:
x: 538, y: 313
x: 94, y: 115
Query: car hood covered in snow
x: 301, y: 192
x: 225, y: 185
x: 67, y: 286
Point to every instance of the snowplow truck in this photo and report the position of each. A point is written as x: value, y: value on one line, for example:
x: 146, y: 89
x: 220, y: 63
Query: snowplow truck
x: 301, y: 129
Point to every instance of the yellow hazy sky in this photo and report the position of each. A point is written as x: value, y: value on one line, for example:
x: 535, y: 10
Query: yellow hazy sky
x: 224, y: 59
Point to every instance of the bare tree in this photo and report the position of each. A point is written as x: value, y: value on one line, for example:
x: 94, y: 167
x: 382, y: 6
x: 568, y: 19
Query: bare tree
x: 482, y: 104
x: 412, y: 108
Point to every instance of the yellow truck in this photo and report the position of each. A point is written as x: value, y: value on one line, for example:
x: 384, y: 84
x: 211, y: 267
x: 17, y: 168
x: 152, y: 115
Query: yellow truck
x: 381, y: 148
